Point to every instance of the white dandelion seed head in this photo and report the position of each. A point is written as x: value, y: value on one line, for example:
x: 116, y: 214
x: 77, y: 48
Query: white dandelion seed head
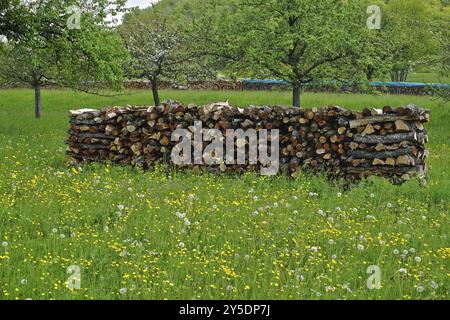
x: 295, y: 197
x: 123, y: 290
x: 255, y: 213
x: 23, y: 282
x: 339, y: 194
x: 62, y: 235
x: 295, y: 212
x: 389, y: 205
x: 181, y: 215
x: 433, y: 285
x: 334, y: 256
x: 360, y: 247
x: 372, y: 195
x: 246, y: 257
x: 229, y: 288
x: 355, y: 210
x: 403, y: 271
x: 181, y: 245
x: 417, y: 259
x: 314, y: 249
x: 329, y: 288
x: 405, y: 252
x: 54, y: 230
x: 412, y: 250
x: 191, y: 197
x: 5, y: 244
x: 187, y: 222
x: 255, y: 198
x: 338, y: 209
x: 121, y: 207
x: 331, y: 241
x: 300, y: 277
x: 320, y: 212
x: 420, y: 289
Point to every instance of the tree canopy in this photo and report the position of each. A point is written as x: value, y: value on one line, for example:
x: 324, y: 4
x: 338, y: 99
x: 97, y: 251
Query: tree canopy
x: 87, y: 59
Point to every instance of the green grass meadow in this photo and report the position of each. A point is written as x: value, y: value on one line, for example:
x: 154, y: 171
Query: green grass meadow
x: 172, y: 235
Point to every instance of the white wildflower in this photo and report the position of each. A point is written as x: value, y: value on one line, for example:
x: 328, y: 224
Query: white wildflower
x: 403, y: 271
x: 123, y: 290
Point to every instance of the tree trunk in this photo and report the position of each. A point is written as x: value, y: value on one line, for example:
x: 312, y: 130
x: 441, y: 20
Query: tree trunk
x: 155, y: 92
x: 37, y: 101
x: 369, y: 74
x: 296, y: 96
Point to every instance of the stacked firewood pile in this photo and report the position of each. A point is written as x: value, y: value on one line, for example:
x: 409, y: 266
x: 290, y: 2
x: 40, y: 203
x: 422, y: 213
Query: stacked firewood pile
x: 386, y: 142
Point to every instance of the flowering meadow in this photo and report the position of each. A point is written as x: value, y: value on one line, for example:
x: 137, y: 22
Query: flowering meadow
x: 109, y: 232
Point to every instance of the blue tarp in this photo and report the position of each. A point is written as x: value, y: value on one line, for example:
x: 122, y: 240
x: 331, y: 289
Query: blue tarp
x: 408, y: 84
x: 373, y: 83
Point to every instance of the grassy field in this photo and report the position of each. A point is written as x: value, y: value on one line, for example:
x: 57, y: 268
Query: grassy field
x: 154, y: 235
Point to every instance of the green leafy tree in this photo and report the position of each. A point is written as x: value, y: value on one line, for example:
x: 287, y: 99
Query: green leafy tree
x: 408, y: 24
x: 294, y: 40
x: 53, y: 49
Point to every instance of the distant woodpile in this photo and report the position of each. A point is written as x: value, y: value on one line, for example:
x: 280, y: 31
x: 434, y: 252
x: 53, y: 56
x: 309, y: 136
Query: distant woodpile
x: 385, y: 142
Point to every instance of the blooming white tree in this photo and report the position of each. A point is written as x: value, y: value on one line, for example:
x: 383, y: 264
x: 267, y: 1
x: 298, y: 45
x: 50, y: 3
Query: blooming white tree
x: 158, y: 47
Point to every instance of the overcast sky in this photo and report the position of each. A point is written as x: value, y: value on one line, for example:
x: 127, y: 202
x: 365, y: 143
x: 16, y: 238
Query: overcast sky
x: 136, y: 3
x: 139, y: 3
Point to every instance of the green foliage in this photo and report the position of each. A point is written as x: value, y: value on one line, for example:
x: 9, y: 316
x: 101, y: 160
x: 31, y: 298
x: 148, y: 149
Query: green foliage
x: 408, y: 23
x: 88, y: 59
x: 294, y: 40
